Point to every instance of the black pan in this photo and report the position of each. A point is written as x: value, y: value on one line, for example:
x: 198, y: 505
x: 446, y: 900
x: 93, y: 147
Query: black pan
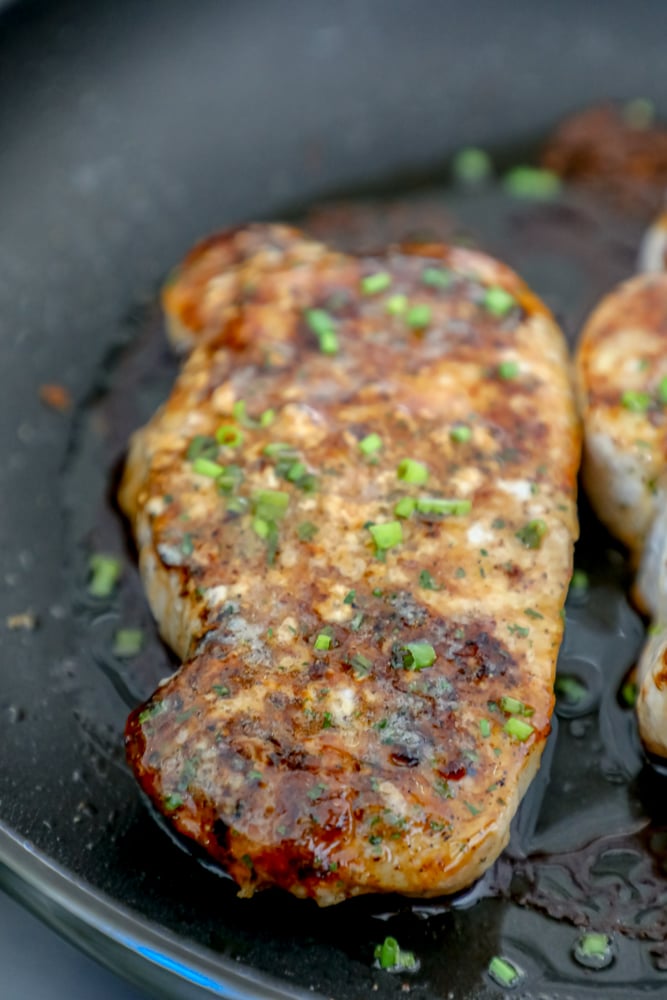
x: 127, y: 129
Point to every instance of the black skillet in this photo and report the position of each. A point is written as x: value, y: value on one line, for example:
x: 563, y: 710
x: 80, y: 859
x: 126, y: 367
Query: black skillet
x: 127, y: 129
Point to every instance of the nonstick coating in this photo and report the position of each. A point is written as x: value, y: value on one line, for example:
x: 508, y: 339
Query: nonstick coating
x: 127, y: 129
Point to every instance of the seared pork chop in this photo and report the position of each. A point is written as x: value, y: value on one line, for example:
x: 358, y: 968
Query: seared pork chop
x: 355, y: 517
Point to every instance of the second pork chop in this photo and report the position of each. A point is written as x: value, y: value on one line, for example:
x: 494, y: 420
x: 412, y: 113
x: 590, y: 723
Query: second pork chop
x: 355, y: 517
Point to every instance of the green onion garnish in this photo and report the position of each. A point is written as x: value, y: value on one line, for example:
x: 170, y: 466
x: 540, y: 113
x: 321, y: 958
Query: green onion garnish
x: 514, y: 707
x: 419, y: 655
x: 662, y: 390
x: 426, y: 581
x: 636, y: 402
x: 569, y: 688
x: 267, y: 417
x: 629, y: 692
x: 323, y: 326
x: 229, y: 436
x: 404, y: 507
x: 306, y: 531
x: 370, y: 444
x: 230, y: 477
x: 239, y: 411
x: 418, y: 316
x: 323, y: 641
x: 498, y: 301
x: 436, y: 277
x: 296, y: 471
x: 396, y: 305
x: 205, y: 467
x: 278, y: 448
x: 350, y: 597
x: 439, y: 505
x: 593, y: 945
x: 519, y: 729
x: 471, y: 166
x: 460, y: 433
x: 508, y: 370
x: 391, y: 957
x: 329, y: 342
x: 485, y: 727
x: 532, y: 182
x: 128, y: 642
x: 202, y: 446
x: 532, y: 533
x: 361, y: 665
x: 104, y: 574
x: 270, y: 505
x: 411, y: 471
x: 261, y: 527
x: 373, y: 284
x: 503, y: 972
x: 386, y: 535
x: 171, y: 802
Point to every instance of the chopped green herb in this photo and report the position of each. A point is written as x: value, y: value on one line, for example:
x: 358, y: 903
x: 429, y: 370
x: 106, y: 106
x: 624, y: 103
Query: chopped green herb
x: 205, y: 467
x: 418, y: 316
x: 662, y: 390
x: 427, y: 582
x: 357, y: 621
x: 473, y: 810
x: 411, y: 471
x: 104, y: 572
x: 230, y: 478
x: 202, y: 446
x: 229, y: 436
x: 392, y: 958
x: 514, y: 707
x: 460, y: 573
x: 323, y: 641
x: 361, y: 664
x: 471, y: 166
x: 329, y: 342
x: 254, y: 775
x: 405, y: 507
x: 386, y: 535
x: 532, y: 613
x: 323, y: 326
x: 377, y: 592
x: 236, y: 505
x: 278, y: 448
x: 532, y: 183
x: 485, y: 727
x: 261, y: 527
x: 370, y: 444
x: 569, y: 688
x: 396, y: 305
x: 221, y: 690
x: 460, y: 433
x: 350, y: 597
x: 635, y: 401
x: 519, y: 729
x: 306, y: 531
x: 239, y: 411
x: 498, y: 301
x: 419, y: 655
x: 187, y: 545
x: 327, y: 720
x: 267, y: 417
x: 508, y: 370
x: 296, y: 472
x: 440, y: 505
x: 498, y: 523
x: 171, y: 802
x: 316, y: 792
x: 503, y: 972
x: 373, y: 284
x: 436, y: 277
x: 270, y: 505
x: 593, y: 945
x: 629, y: 692
x: 520, y: 630
x: 532, y: 533
x: 128, y: 642
x: 153, y: 709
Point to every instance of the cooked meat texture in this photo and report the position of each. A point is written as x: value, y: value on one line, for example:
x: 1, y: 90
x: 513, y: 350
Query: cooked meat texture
x: 368, y: 599
x: 622, y: 385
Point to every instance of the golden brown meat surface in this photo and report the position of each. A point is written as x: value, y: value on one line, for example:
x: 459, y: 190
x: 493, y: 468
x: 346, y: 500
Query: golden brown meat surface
x: 355, y: 517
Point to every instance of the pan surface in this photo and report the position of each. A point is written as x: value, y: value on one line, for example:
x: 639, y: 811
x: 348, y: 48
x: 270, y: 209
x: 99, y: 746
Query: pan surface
x: 126, y: 131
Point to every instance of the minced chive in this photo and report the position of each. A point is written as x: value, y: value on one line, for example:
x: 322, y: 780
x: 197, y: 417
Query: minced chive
x: 396, y: 305
x: 128, y: 642
x: 306, y: 531
x: 439, y: 505
x: 593, y: 945
x: 370, y: 444
x: 373, y: 284
x: 532, y: 533
x: 404, y: 507
x: 460, y: 433
x: 261, y: 527
x: 323, y: 641
x: 202, y: 446
x: 361, y: 664
x: 532, y: 182
x: 350, y: 597
x: 418, y: 316
x: 519, y: 729
x: 296, y: 471
x: 329, y: 342
x: 171, y: 802
x: 636, y: 402
x: 471, y: 165
x: 411, y: 471
x: 484, y: 727
x: 662, y: 390
x: 570, y: 688
x: 319, y: 321
x: 498, y: 301
x: 278, y: 448
x: 629, y: 692
x: 386, y: 535
x: 420, y: 655
x: 236, y: 505
x: 532, y: 613
x: 270, y: 505
x: 104, y: 574
x: 512, y: 705
x: 230, y: 477
x: 205, y: 467
x: 357, y: 621
x: 503, y: 972
x: 239, y: 411
x: 390, y: 956
x: 436, y: 277
x: 267, y: 417
x: 508, y: 370
x: 426, y: 581
x: 229, y: 436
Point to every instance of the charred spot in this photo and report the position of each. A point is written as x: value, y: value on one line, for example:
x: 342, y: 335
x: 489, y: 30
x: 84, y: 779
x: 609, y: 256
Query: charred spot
x: 481, y: 655
x: 221, y: 833
x: 318, y: 669
x: 404, y: 759
x: 292, y: 759
x: 452, y: 772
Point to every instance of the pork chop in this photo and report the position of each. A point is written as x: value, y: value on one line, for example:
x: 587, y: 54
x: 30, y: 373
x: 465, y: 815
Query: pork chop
x: 355, y: 517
